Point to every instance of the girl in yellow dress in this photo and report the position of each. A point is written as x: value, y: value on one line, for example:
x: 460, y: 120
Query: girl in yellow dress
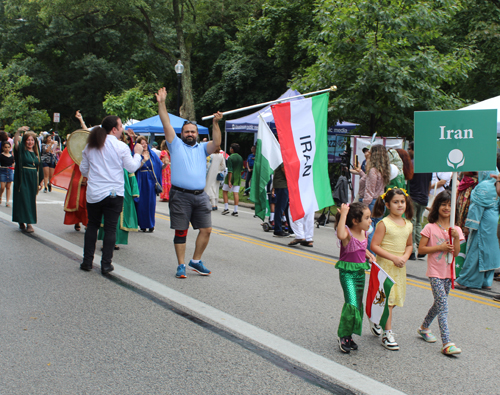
x: 392, y: 243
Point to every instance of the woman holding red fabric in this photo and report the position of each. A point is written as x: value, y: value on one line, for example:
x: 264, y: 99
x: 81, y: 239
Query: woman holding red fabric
x: 67, y: 175
x: 166, y: 184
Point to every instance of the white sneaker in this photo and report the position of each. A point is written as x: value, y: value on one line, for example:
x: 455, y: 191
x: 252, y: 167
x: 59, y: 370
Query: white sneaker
x: 389, y: 342
x: 376, y: 329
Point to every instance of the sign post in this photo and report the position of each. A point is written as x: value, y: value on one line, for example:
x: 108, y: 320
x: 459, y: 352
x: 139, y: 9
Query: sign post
x: 57, y: 118
x: 455, y: 141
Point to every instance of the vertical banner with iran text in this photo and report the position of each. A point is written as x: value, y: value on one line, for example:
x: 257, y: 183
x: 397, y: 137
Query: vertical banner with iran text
x: 302, y: 132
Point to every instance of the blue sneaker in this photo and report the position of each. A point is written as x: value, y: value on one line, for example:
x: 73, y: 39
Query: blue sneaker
x: 199, y: 268
x: 181, y: 271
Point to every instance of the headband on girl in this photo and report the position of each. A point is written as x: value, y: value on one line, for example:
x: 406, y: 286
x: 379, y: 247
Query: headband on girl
x: 390, y: 189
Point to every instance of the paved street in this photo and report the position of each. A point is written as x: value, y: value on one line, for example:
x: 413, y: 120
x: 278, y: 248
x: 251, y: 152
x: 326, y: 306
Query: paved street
x: 264, y: 321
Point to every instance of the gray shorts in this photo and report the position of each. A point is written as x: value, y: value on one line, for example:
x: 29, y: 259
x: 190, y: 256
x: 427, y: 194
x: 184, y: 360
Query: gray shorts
x: 186, y: 207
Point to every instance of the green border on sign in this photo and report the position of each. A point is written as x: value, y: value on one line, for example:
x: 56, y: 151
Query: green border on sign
x: 455, y: 141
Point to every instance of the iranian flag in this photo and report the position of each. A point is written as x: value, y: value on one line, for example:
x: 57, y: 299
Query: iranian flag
x: 302, y: 127
x: 377, y: 308
x: 267, y: 159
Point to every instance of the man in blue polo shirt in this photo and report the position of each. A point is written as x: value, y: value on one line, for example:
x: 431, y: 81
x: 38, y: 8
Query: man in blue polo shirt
x: 188, y: 201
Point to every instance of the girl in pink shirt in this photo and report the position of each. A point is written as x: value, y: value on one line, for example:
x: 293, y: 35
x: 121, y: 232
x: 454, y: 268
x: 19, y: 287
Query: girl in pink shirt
x: 436, y: 243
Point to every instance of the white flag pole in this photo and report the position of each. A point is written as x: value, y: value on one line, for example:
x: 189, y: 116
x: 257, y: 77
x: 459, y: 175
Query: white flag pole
x: 332, y: 88
x: 454, y: 181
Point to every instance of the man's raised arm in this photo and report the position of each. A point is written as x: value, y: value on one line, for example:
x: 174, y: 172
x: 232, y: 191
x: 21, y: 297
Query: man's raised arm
x: 216, y: 134
x: 161, y: 96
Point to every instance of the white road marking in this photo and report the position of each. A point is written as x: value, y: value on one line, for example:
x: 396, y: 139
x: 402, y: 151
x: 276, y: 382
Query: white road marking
x: 284, y: 347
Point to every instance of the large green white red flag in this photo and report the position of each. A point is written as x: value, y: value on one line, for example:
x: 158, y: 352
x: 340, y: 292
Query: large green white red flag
x: 377, y: 297
x: 302, y: 129
x: 267, y: 159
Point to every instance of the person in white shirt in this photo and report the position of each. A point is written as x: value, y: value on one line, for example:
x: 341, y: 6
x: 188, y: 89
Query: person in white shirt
x: 442, y: 179
x: 104, y: 159
x: 154, y: 148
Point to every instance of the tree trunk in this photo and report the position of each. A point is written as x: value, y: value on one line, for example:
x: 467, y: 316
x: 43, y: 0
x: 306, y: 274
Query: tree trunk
x: 187, y: 107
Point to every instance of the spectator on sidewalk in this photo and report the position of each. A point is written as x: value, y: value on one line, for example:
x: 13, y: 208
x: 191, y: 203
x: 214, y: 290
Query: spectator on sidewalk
x: 215, y: 174
x: 233, y: 179
x: 250, y: 162
x: 366, y: 152
x: 280, y: 188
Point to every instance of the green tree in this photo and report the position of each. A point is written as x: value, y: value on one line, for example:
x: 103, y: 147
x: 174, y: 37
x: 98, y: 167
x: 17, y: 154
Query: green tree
x: 477, y: 26
x: 131, y: 104
x: 172, y: 28
x: 383, y: 55
x: 17, y: 109
x: 73, y: 64
x: 260, y: 62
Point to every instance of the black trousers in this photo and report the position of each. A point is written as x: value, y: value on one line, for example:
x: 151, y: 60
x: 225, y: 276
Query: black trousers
x: 110, y: 208
x: 247, y: 180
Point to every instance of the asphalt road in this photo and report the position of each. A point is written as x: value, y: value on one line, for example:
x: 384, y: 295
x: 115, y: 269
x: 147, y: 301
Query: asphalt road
x: 264, y: 321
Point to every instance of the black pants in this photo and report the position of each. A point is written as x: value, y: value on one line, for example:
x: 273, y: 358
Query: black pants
x: 110, y: 208
x: 247, y: 180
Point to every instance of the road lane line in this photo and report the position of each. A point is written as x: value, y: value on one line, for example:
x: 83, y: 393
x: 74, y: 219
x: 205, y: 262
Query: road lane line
x: 331, y: 261
x: 334, y: 370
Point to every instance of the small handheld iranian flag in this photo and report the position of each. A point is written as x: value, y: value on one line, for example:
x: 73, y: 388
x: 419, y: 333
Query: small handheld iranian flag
x: 379, y: 289
x: 302, y: 127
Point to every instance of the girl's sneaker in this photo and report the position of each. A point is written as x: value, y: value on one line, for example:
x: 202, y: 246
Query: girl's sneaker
x: 427, y: 335
x: 389, y: 342
x: 352, y: 345
x: 344, y: 345
x: 450, y: 349
x: 376, y: 329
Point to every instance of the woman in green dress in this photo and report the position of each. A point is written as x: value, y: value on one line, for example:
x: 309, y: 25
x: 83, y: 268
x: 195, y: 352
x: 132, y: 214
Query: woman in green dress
x: 28, y: 175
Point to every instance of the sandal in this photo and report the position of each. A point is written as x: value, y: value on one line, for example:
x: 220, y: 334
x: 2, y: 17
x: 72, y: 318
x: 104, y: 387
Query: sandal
x: 487, y: 288
x: 295, y: 242
x: 306, y: 243
x: 462, y: 287
x: 22, y: 226
x: 77, y: 227
x: 450, y: 349
x: 29, y: 229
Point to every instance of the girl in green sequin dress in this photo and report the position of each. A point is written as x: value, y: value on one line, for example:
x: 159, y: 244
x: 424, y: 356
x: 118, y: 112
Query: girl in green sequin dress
x: 352, y: 223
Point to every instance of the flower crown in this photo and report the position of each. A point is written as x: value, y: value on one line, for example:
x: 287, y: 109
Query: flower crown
x: 390, y: 189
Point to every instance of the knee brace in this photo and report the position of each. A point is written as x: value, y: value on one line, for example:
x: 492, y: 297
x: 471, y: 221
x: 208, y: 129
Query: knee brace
x: 180, y: 236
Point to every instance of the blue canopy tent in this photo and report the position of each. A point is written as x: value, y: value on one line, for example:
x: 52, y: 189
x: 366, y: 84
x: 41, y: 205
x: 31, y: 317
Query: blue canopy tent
x: 153, y: 125
x: 250, y: 123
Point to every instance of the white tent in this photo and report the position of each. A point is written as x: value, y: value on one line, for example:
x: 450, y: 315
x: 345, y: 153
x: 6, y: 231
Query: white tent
x: 489, y: 104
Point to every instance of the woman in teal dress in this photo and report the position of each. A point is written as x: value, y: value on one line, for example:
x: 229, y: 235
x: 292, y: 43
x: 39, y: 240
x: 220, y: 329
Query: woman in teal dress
x: 28, y: 175
x: 483, y: 254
